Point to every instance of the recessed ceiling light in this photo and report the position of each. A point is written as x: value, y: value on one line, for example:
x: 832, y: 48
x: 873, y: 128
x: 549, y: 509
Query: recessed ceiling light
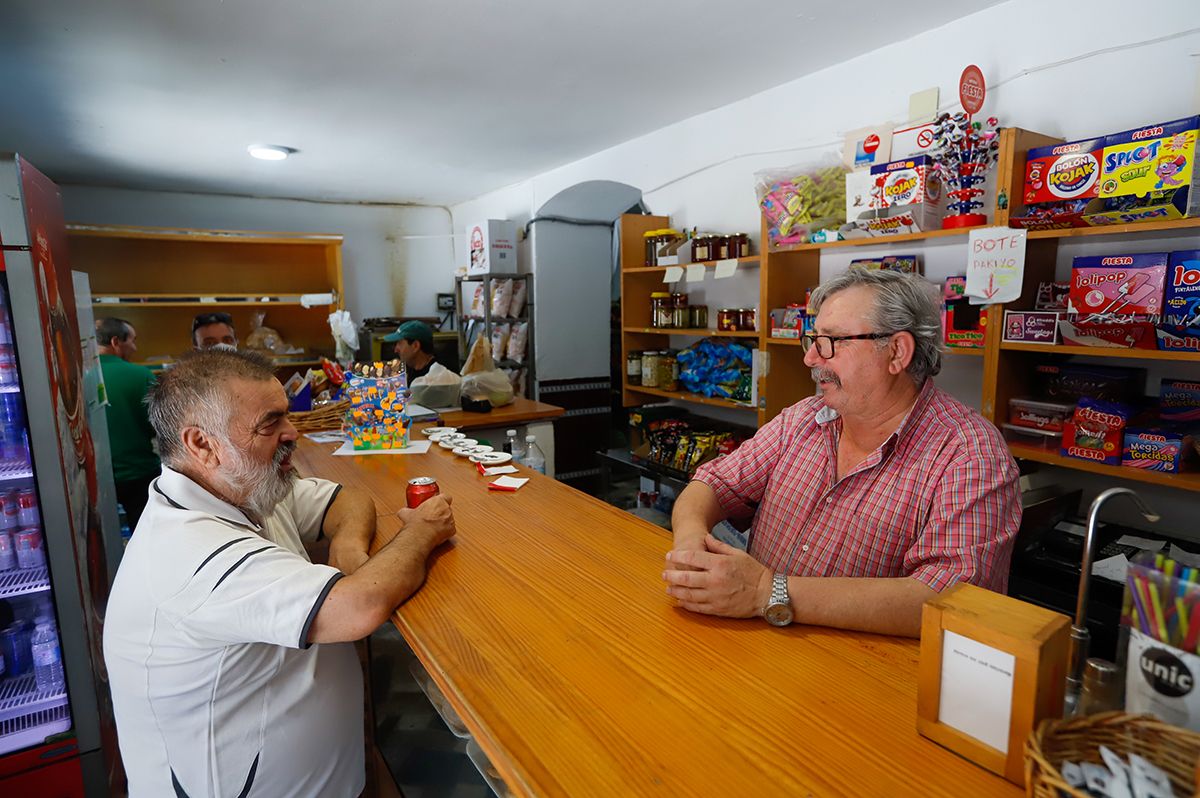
x: 269, y: 152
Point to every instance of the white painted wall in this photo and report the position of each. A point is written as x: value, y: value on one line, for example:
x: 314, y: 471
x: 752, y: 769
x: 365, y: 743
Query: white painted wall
x: 1035, y: 58
x: 384, y: 272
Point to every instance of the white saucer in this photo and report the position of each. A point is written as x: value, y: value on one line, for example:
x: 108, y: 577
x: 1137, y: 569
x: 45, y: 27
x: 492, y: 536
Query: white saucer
x: 431, y: 431
x: 483, y: 447
x: 445, y: 444
x: 465, y: 443
x: 463, y: 451
x: 491, y: 458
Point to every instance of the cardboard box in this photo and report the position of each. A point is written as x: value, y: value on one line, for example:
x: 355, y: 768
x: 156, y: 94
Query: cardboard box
x: 1179, y: 400
x: 1118, y: 285
x: 1158, y: 449
x: 906, y: 197
x: 1031, y: 326
x: 492, y: 245
x: 1135, y: 334
x: 1172, y: 338
x: 858, y: 193
x: 1158, y: 159
x: 904, y: 264
x: 1181, y: 293
x: 1056, y: 175
x: 963, y: 325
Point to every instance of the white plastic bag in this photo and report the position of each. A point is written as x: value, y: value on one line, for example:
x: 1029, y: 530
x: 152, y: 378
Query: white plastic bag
x: 520, y: 288
x: 441, y: 387
x: 345, y: 334
x: 491, y: 384
x: 517, y: 340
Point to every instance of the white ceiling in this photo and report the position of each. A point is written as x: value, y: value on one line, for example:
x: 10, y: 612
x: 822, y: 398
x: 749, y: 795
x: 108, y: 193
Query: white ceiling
x: 422, y: 101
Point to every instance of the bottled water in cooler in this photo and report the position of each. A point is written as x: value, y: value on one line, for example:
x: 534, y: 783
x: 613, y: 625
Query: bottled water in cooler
x: 47, y: 659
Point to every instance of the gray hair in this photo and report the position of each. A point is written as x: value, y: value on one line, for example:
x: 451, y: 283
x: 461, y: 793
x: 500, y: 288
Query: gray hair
x: 903, y: 303
x: 193, y: 393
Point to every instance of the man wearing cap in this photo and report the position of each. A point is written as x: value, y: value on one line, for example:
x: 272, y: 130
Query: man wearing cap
x: 414, y: 345
x: 213, y: 329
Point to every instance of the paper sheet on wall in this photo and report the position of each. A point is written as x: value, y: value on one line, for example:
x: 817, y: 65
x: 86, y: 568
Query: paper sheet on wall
x: 673, y: 274
x: 995, y: 265
x: 977, y: 686
x: 414, y: 447
x: 725, y: 268
x: 695, y: 273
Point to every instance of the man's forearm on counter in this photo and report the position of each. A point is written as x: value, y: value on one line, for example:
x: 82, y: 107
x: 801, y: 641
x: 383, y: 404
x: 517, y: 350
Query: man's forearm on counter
x: 696, y: 512
x: 885, y: 606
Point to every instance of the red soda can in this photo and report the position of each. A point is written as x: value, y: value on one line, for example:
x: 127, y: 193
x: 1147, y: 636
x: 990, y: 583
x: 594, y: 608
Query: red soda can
x: 419, y: 489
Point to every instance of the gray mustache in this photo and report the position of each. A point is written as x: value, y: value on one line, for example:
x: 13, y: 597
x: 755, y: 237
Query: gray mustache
x: 283, y: 451
x: 825, y: 375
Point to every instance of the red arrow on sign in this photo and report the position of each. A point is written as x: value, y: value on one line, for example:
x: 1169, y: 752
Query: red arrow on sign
x: 991, y: 289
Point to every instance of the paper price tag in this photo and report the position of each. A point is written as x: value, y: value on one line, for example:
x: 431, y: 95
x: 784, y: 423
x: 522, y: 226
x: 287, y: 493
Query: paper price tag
x: 695, y: 273
x: 673, y: 274
x: 725, y: 268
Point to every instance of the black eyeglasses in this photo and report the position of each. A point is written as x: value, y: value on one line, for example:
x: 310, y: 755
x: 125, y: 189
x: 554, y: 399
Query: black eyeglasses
x: 205, y: 319
x: 824, y: 343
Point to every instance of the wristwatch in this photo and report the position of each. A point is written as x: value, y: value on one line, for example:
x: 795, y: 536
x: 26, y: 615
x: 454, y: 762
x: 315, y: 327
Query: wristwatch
x: 778, y: 611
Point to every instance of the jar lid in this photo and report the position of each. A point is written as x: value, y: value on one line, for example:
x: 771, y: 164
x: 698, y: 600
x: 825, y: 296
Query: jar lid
x: 660, y: 295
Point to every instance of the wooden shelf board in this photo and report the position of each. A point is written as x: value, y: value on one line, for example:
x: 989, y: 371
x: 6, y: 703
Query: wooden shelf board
x: 234, y: 304
x: 1184, y: 481
x: 1118, y: 229
x: 963, y: 350
x: 206, y: 236
x: 783, y: 341
x: 883, y: 241
x: 688, y: 397
x: 1100, y: 351
x: 749, y: 259
x: 690, y: 331
x: 279, y: 364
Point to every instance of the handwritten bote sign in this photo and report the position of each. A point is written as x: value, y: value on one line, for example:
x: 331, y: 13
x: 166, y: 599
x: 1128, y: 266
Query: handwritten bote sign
x: 995, y: 265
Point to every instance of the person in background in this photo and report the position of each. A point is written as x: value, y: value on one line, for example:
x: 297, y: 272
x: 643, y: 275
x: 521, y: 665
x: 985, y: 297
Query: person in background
x: 130, y: 436
x: 227, y: 648
x: 414, y: 345
x: 213, y: 329
x: 865, y: 500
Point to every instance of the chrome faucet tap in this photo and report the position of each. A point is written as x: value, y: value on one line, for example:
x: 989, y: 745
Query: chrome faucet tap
x: 1080, y: 637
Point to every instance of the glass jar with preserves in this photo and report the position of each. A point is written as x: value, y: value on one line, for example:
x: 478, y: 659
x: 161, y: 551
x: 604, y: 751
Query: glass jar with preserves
x: 722, y: 248
x: 747, y: 319
x: 633, y: 368
x: 668, y: 372
x: 680, y: 317
x: 679, y: 300
x: 698, y: 317
x: 651, y: 238
x: 650, y: 369
x: 661, y: 306
x: 701, y: 249
x: 727, y: 319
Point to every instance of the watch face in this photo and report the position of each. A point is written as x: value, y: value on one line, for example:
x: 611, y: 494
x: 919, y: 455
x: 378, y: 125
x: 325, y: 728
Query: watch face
x: 778, y: 614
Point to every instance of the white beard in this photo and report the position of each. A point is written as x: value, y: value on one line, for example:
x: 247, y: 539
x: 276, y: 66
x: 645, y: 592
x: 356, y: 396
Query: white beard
x: 262, y: 487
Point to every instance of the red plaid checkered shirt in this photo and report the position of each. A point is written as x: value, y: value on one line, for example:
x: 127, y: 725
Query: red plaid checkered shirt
x: 938, y: 501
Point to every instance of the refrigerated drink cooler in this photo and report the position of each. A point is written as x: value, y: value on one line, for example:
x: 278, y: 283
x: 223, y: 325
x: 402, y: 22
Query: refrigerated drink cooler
x: 59, y: 538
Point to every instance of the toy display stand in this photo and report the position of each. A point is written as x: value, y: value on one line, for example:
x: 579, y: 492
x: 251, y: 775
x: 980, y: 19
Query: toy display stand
x: 964, y: 220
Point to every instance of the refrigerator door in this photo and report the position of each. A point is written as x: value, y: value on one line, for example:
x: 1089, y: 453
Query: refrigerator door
x: 41, y: 300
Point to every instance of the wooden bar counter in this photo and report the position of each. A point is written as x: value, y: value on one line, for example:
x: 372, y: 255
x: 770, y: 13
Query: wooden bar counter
x: 547, y: 626
x: 519, y: 411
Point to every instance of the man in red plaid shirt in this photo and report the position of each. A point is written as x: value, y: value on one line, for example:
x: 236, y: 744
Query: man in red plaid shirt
x: 865, y: 500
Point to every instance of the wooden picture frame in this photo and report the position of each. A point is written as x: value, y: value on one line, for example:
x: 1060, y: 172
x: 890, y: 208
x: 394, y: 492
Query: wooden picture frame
x: 989, y: 633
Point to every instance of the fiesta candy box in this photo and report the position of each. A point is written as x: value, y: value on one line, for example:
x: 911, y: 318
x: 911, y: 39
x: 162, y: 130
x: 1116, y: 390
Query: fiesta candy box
x: 1149, y: 174
x: 1158, y: 449
x: 1181, y: 295
x: 1096, y: 431
x: 1060, y: 181
x: 1118, y: 285
x: 1131, y: 333
x: 906, y: 197
x: 1179, y: 400
x: 376, y: 418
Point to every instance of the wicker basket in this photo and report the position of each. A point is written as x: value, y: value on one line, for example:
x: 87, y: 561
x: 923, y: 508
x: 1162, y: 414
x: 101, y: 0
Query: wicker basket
x: 1171, y: 748
x: 325, y: 417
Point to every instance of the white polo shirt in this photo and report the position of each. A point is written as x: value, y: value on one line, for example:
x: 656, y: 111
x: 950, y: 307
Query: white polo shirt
x: 215, y: 691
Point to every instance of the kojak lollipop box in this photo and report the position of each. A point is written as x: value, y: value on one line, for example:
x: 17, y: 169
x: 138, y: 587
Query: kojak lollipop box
x: 906, y: 197
x: 1059, y: 180
x: 1117, y: 285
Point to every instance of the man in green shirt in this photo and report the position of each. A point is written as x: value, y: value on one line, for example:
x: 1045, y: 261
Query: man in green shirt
x: 130, y: 435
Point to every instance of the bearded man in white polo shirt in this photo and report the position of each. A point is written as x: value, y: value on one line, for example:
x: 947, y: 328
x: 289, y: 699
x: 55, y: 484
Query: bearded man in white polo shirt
x: 227, y: 648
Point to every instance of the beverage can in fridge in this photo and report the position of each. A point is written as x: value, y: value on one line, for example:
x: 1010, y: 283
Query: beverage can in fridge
x: 8, y: 551
x: 8, y: 365
x: 27, y: 508
x: 28, y: 543
x: 8, y: 510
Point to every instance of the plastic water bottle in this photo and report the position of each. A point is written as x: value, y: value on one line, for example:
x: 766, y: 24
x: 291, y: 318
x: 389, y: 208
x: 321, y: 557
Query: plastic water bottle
x: 512, y: 445
x: 47, y: 659
x: 534, y: 458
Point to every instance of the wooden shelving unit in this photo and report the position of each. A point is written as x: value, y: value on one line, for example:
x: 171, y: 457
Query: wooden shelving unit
x: 684, y: 396
x: 700, y: 333
x: 159, y: 278
x: 1008, y: 368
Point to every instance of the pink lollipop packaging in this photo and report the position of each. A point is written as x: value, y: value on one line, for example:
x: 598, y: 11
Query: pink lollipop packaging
x: 1118, y: 285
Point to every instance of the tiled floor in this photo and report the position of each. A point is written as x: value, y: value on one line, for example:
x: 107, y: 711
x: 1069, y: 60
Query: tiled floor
x: 424, y: 758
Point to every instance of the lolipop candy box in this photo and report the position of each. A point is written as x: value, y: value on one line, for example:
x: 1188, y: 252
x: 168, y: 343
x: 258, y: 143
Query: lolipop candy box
x: 1118, y: 285
x: 1181, y: 294
x: 1157, y: 449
